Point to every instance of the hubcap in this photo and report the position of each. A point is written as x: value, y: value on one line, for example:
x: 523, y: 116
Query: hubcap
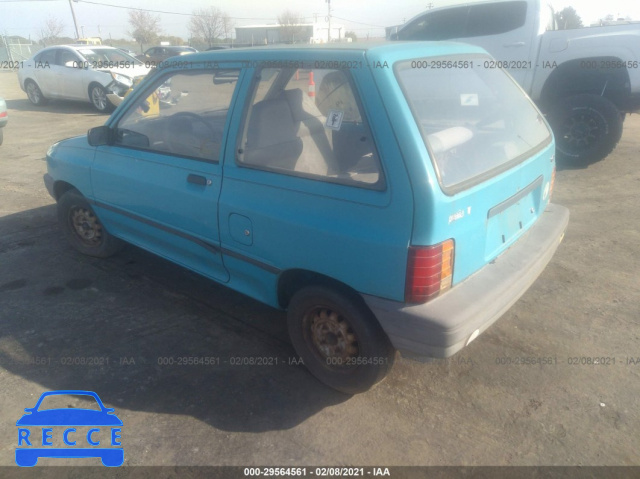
x: 33, y: 93
x: 331, y: 334
x: 86, y: 226
x: 582, y: 131
x: 99, y: 98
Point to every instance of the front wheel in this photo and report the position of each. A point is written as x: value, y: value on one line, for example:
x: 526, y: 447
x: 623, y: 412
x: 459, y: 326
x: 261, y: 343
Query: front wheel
x: 83, y: 228
x: 339, y: 339
x: 99, y: 100
x: 587, y: 128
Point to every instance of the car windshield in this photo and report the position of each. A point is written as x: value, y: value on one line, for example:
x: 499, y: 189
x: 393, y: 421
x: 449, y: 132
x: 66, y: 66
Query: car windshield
x: 64, y: 401
x: 475, y: 121
x: 107, y: 55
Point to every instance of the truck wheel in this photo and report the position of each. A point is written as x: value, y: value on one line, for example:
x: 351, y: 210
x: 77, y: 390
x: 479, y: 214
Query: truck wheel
x: 83, y: 228
x: 339, y: 339
x: 587, y: 128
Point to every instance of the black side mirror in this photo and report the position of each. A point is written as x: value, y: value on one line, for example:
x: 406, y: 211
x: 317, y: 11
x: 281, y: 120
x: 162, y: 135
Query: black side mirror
x: 100, y: 135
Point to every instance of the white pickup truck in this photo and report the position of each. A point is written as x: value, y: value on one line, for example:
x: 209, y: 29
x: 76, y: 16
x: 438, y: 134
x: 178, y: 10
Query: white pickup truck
x: 585, y: 80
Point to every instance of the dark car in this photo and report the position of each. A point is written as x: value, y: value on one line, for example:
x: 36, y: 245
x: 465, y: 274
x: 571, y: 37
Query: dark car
x: 155, y: 55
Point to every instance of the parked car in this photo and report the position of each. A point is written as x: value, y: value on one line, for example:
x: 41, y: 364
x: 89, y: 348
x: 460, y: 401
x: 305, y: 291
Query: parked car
x: 585, y: 79
x: 79, y: 72
x: 4, y: 118
x: 155, y: 55
x: 128, y: 52
x: 380, y: 214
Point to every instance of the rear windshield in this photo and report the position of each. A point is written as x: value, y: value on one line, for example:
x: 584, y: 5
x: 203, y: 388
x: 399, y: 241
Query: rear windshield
x: 476, y: 122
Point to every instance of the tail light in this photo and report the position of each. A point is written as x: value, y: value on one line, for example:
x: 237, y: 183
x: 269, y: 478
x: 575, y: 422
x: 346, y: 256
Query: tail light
x: 552, y: 182
x: 429, y: 271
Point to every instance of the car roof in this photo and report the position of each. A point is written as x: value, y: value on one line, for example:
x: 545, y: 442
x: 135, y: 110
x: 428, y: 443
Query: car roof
x: 374, y: 51
x: 79, y: 46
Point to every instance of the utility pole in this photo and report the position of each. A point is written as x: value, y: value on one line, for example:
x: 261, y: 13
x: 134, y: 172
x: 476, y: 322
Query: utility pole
x: 329, y: 20
x: 75, y: 22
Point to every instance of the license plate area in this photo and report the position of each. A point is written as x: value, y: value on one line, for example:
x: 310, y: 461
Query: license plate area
x: 508, y: 220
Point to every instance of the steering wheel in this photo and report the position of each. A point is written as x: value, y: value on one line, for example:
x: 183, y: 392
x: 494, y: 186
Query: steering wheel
x: 181, y: 137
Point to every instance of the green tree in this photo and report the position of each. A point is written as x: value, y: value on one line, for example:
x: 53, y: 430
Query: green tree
x: 568, y: 18
x: 291, y: 29
x: 144, y: 27
x: 352, y: 35
x: 209, y: 24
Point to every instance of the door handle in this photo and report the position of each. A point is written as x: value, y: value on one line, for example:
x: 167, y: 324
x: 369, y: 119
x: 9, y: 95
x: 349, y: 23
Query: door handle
x: 198, y: 180
x: 515, y: 44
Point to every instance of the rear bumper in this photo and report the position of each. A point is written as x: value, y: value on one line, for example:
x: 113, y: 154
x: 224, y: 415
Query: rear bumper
x: 450, y: 322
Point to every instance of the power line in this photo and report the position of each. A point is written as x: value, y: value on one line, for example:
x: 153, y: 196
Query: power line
x: 359, y: 23
x: 157, y: 11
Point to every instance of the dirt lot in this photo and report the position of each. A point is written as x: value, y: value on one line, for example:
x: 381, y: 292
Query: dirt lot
x: 133, y: 311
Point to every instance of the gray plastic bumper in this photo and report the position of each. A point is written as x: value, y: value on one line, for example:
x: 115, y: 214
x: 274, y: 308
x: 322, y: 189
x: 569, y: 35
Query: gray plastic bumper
x: 445, y: 325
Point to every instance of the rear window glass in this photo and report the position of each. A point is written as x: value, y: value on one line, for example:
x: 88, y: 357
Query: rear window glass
x: 475, y: 122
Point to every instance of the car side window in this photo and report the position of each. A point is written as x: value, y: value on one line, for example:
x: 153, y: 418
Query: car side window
x: 48, y: 56
x: 291, y: 129
x: 65, y: 56
x: 184, y: 114
x: 440, y: 25
x: 495, y: 18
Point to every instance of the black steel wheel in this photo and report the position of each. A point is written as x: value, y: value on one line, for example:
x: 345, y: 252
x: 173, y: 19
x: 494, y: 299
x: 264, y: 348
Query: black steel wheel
x: 587, y: 128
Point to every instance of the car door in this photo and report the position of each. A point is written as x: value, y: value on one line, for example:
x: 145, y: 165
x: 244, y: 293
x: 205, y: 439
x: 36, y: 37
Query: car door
x: 501, y: 28
x: 71, y: 72
x: 305, y: 188
x: 157, y: 185
x: 507, y: 33
x: 45, y: 73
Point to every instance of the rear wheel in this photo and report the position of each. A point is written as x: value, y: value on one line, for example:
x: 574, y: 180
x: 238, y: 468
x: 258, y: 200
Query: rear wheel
x: 83, y: 228
x: 339, y: 339
x: 587, y: 128
x: 34, y: 93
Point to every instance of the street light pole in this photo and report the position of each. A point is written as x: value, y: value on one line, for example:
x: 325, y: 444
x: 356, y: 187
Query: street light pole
x: 75, y: 22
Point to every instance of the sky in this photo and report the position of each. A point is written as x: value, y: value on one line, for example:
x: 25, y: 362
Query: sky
x: 108, y: 18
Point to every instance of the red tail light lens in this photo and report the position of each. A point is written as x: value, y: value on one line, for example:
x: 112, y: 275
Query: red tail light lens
x: 429, y: 271
x: 553, y: 182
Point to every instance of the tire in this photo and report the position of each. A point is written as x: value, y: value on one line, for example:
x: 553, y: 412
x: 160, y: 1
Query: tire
x: 587, y: 128
x: 339, y: 339
x: 99, y: 100
x: 34, y: 93
x: 1, y: 135
x: 83, y: 228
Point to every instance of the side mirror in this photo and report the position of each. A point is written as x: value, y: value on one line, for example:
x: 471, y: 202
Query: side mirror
x: 100, y: 135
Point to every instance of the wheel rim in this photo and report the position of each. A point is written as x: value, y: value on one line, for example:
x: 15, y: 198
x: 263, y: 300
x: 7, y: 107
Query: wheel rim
x: 583, y: 131
x: 331, y: 336
x: 99, y: 98
x: 33, y: 93
x: 86, y: 226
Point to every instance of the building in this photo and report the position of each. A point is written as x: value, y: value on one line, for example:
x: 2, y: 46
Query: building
x: 268, y: 34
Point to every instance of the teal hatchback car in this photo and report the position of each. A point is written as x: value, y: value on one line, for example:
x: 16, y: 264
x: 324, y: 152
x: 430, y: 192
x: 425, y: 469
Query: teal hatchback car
x: 388, y: 197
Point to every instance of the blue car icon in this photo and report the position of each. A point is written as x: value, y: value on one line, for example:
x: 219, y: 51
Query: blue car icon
x: 69, y: 417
